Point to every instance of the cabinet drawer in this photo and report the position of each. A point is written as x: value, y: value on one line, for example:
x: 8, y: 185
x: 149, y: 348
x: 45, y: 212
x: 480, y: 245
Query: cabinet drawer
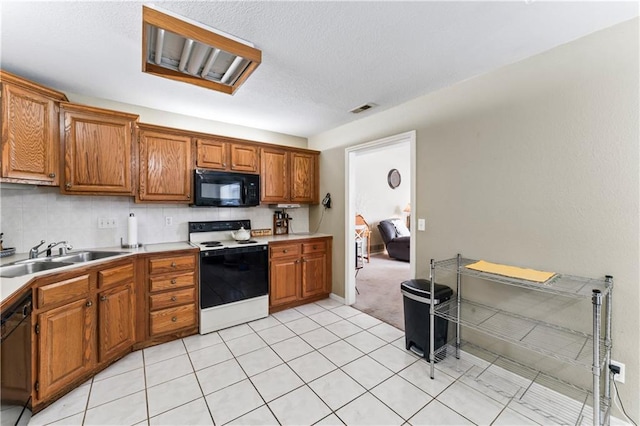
x: 63, y: 291
x: 314, y: 247
x: 168, y: 282
x: 112, y: 276
x: 163, y: 265
x: 171, y: 319
x: 172, y: 298
x: 287, y: 250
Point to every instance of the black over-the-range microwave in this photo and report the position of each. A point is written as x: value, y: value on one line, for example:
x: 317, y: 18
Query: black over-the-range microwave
x: 225, y: 189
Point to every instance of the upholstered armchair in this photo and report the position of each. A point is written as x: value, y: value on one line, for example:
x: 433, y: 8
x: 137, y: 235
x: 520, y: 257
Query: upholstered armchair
x: 396, y: 237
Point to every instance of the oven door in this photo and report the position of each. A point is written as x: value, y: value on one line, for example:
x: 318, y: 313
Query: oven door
x: 232, y: 275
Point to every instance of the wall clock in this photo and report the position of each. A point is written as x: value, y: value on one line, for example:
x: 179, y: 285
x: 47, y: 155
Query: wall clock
x: 393, y: 178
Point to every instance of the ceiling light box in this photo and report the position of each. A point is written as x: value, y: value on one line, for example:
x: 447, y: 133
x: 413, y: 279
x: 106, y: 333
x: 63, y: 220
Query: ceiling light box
x: 182, y: 49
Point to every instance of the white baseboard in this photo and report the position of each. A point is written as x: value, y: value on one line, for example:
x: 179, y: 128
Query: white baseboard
x: 337, y: 298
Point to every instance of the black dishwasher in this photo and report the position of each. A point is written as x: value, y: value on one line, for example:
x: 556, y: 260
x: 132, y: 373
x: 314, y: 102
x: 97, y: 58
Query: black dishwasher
x: 15, y: 361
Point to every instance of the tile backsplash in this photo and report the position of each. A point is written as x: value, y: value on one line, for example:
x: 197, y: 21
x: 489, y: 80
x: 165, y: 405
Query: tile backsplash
x: 30, y: 214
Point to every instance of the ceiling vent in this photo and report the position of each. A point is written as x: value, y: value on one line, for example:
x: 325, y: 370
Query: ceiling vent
x: 185, y: 50
x: 362, y: 108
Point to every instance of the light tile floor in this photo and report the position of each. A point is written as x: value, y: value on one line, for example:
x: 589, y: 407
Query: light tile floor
x: 321, y: 363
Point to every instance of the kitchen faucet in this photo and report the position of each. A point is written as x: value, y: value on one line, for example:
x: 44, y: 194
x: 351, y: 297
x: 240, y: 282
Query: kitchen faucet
x: 62, y: 250
x: 33, y: 253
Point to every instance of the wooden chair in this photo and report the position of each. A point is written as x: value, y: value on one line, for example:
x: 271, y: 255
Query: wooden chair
x: 363, y: 231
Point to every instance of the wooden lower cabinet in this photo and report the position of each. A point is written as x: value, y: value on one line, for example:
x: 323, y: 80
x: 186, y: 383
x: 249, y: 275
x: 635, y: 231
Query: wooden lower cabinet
x: 299, y: 272
x: 116, y: 321
x: 65, y: 345
x: 89, y: 317
x: 171, y: 296
x: 83, y: 320
x: 314, y: 275
x: 284, y: 276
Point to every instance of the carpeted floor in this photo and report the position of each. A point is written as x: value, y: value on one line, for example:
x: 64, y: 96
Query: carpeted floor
x: 379, y: 286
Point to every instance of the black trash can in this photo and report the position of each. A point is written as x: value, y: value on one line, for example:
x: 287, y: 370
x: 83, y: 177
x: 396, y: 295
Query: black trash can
x: 417, y: 301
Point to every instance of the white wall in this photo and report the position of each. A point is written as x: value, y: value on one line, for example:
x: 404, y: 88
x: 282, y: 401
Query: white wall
x: 375, y: 199
x: 33, y: 214
x: 535, y: 164
x: 185, y: 122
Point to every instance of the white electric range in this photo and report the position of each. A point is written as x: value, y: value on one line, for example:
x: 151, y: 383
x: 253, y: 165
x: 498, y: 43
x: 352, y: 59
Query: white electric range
x: 234, y: 275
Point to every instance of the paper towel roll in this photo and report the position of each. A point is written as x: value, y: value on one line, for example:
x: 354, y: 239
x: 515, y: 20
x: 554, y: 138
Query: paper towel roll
x: 133, y: 230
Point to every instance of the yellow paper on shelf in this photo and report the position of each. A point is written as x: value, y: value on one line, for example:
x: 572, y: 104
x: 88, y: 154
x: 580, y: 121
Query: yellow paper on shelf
x: 511, y: 271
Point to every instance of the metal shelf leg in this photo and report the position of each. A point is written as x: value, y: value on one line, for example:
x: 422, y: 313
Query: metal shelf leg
x: 596, y: 299
x: 432, y: 358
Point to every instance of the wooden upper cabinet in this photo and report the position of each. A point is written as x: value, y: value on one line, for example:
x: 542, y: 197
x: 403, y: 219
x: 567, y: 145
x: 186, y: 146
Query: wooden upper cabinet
x: 244, y: 158
x: 304, y: 178
x: 165, y: 165
x: 223, y: 154
x: 211, y: 154
x: 97, y: 146
x: 289, y: 176
x: 30, y: 136
x: 274, y: 176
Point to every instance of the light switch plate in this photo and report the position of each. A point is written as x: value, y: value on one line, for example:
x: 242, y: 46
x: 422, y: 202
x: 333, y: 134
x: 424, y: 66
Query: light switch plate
x: 421, y: 225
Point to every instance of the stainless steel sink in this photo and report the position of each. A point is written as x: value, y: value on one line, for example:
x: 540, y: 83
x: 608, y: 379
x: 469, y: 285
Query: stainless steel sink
x: 30, y: 266
x: 24, y: 268
x: 84, y: 256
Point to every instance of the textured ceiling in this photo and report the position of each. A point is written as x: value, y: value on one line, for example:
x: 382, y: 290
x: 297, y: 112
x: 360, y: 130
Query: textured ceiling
x: 320, y: 59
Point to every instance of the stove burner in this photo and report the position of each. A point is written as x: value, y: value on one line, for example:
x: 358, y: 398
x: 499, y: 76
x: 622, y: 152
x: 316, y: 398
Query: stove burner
x: 247, y: 242
x: 211, y: 243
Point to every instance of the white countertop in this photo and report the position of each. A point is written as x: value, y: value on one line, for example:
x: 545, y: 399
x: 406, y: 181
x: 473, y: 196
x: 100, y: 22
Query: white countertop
x: 8, y: 286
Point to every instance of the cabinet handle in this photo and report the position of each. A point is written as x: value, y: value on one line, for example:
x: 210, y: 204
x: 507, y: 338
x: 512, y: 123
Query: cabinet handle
x: 224, y: 164
x: 173, y: 281
x: 67, y: 185
x: 173, y: 298
x: 173, y: 264
x: 89, y: 303
x: 188, y: 197
x: 314, y: 247
x: 174, y: 319
x: 52, y: 175
x: 285, y: 251
x: 103, y: 298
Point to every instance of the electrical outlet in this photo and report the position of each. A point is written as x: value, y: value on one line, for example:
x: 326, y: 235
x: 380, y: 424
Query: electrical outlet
x: 620, y: 376
x: 168, y: 221
x: 107, y: 222
x: 421, y: 225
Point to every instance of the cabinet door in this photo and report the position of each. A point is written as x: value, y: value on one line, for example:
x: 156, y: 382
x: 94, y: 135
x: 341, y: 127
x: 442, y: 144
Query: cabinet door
x: 314, y: 275
x: 116, y: 321
x: 211, y: 154
x: 284, y: 282
x: 274, y: 175
x: 64, y: 345
x: 304, y: 185
x: 244, y: 158
x: 97, y: 147
x: 29, y: 136
x: 165, y: 167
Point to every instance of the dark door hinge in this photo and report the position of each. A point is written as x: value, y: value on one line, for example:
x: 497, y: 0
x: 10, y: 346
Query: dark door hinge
x: 37, y: 328
x: 36, y: 386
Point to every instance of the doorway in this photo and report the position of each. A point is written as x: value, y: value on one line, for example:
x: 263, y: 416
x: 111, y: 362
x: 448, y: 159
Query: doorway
x: 351, y: 198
